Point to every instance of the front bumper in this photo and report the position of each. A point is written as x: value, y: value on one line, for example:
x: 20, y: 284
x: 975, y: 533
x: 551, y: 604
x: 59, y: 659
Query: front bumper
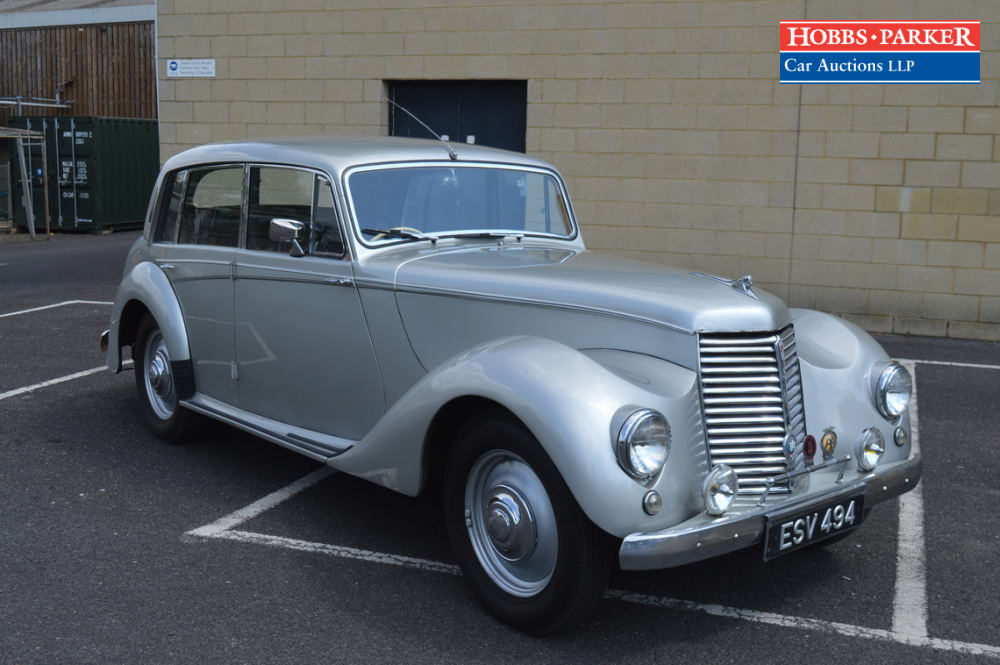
x: 703, y: 537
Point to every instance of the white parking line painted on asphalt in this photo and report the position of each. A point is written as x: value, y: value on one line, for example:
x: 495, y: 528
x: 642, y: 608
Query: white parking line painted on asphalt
x: 339, y: 551
x: 909, y: 605
x: 232, y: 520
x: 51, y: 382
x: 62, y: 379
x: 909, y: 362
x: 53, y: 306
x: 819, y: 625
x: 754, y: 616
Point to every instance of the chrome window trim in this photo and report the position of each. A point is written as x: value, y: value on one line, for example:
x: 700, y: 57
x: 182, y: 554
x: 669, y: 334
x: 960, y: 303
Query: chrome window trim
x: 187, y: 182
x: 356, y: 228
x: 345, y: 255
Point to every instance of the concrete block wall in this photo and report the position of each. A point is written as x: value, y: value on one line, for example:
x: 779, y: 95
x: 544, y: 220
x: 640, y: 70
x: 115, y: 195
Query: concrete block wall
x: 880, y: 203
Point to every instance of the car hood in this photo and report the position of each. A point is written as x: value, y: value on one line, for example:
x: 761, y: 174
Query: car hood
x: 593, y: 281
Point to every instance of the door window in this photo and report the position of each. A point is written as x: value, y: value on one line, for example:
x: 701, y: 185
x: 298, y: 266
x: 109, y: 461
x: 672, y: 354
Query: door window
x: 212, y: 207
x: 295, y: 194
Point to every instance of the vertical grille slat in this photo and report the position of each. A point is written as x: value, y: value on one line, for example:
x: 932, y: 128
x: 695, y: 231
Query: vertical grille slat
x: 756, y: 376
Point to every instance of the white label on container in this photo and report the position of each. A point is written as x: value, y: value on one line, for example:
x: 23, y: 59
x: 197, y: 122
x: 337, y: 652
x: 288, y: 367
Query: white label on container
x: 191, y: 68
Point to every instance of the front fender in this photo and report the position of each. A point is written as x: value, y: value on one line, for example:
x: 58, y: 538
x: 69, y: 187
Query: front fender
x: 838, y: 360
x: 147, y: 284
x: 567, y: 399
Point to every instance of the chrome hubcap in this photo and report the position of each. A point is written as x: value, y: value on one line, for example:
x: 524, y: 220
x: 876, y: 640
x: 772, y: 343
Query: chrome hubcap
x: 511, y: 523
x: 159, y: 378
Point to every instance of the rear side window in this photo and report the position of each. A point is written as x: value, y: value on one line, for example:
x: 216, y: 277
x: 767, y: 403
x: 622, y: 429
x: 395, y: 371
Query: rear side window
x: 212, y: 207
x: 166, y: 230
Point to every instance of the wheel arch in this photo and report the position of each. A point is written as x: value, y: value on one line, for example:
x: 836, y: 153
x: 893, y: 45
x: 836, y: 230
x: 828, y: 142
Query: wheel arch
x: 128, y: 322
x: 449, y: 420
x: 146, y: 289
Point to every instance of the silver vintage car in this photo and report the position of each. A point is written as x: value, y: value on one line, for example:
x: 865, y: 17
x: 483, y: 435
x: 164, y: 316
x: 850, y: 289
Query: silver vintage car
x: 426, y: 316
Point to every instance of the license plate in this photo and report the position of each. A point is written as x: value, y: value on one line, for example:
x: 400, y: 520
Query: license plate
x: 789, y: 532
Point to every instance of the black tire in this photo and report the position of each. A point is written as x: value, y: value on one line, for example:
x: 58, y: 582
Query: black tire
x: 586, y: 555
x: 181, y: 422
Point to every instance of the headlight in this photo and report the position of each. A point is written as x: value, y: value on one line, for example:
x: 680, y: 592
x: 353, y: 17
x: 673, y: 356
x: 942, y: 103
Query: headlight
x: 871, y: 445
x: 892, y: 392
x: 643, y: 444
x: 720, y: 488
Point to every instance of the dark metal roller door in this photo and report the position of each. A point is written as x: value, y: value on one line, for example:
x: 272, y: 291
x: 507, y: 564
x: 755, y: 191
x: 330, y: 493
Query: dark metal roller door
x: 494, y: 113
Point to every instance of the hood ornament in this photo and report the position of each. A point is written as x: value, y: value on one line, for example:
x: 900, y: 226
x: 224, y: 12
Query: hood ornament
x: 742, y: 284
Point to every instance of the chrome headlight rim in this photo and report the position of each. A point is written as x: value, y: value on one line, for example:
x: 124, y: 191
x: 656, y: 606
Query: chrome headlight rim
x: 717, y: 502
x: 624, y: 441
x: 889, y: 373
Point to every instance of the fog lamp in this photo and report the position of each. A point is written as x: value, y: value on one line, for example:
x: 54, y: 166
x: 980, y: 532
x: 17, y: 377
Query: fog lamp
x: 720, y: 488
x: 871, y: 445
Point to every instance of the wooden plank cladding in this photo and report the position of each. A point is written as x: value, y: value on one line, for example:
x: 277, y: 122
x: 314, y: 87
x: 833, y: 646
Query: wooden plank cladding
x: 112, y: 68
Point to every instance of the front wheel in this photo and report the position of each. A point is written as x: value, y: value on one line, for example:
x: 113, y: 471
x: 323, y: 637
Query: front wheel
x: 529, y: 552
x: 154, y: 382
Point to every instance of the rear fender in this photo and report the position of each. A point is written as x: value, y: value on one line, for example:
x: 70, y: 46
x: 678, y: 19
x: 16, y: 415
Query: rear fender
x: 147, y: 284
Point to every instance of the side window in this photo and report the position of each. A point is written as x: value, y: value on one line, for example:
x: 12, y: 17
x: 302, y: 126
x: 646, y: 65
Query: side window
x: 326, y: 230
x: 277, y: 193
x: 212, y: 207
x: 166, y: 229
x: 285, y: 193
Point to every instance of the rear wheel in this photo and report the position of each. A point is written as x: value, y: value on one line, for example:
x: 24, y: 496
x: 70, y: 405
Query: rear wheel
x: 529, y: 553
x: 154, y: 382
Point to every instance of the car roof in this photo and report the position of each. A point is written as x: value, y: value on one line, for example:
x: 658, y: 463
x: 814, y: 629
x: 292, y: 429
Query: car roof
x: 338, y: 153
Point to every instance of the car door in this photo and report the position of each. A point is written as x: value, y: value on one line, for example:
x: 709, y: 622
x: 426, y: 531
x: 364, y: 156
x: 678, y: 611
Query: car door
x: 304, y: 354
x: 197, y: 249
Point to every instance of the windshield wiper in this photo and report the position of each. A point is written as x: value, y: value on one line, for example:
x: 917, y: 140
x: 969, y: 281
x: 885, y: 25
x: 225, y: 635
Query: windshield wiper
x: 482, y: 234
x: 397, y: 233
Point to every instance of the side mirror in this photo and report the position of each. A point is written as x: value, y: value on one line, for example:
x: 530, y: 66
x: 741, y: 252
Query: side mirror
x: 287, y: 230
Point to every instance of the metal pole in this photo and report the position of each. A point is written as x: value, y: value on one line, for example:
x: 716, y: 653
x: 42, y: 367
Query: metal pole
x: 29, y: 209
x: 45, y: 182
x: 59, y: 182
x: 72, y: 143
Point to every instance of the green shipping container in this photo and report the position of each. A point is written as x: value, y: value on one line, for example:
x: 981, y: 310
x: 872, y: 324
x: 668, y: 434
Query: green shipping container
x: 101, y: 172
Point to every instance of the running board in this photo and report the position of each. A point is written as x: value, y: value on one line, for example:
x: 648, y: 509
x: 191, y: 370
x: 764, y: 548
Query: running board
x: 315, y: 445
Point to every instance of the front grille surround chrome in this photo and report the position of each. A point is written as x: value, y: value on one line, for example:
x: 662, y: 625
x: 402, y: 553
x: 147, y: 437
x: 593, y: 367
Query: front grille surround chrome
x: 751, y: 399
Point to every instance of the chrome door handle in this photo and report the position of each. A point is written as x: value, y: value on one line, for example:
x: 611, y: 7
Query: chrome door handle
x: 167, y: 266
x: 340, y: 281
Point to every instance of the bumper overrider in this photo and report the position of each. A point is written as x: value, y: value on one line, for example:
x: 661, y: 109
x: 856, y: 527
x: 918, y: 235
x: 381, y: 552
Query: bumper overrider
x: 704, y: 537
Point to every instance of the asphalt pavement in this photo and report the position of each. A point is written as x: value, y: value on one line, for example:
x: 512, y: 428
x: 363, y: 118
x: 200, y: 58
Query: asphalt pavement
x: 96, y: 566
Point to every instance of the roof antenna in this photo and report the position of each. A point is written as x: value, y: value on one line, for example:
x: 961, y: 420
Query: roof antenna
x: 451, y: 151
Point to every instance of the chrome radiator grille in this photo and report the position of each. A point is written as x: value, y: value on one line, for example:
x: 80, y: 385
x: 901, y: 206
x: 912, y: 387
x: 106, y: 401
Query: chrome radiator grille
x: 751, y: 398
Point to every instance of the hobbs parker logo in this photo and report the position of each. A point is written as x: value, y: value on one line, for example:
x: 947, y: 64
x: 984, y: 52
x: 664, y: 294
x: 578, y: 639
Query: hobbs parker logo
x: 879, y: 52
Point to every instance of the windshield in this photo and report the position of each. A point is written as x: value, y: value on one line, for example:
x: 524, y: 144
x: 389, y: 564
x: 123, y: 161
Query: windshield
x: 441, y: 200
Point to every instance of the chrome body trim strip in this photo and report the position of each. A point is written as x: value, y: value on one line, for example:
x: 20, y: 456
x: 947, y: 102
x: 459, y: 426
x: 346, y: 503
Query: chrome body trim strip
x: 487, y: 297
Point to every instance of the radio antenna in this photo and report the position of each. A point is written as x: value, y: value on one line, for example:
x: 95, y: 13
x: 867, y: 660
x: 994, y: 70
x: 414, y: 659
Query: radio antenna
x: 451, y: 151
